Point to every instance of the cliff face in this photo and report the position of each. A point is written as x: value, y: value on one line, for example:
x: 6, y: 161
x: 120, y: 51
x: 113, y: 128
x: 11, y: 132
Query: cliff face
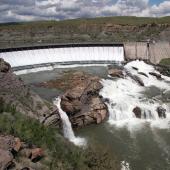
x: 15, y: 95
x: 85, y: 30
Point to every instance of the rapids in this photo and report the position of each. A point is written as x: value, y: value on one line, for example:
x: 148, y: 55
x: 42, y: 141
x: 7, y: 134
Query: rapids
x: 124, y: 94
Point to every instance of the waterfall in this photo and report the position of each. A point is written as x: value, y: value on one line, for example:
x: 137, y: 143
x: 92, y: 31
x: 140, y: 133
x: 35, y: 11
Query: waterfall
x: 124, y: 95
x: 67, y: 128
x: 61, y: 55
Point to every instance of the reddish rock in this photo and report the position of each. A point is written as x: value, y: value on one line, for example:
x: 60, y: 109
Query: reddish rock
x: 82, y: 103
x: 115, y: 72
x: 36, y: 154
x: 17, y: 144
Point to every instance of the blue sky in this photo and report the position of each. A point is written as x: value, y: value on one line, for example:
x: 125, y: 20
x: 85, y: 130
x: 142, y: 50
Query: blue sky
x: 31, y: 10
x: 155, y: 1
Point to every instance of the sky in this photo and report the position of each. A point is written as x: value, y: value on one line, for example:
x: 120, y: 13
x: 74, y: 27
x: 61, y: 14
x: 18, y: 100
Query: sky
x: 32, y: 10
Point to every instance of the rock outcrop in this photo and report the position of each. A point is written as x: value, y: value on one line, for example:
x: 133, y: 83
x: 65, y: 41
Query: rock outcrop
x: 114, y: 72
x: 10, y: 147
x: 4, y: 67
x: 14, y: 94
x: 82, y: 103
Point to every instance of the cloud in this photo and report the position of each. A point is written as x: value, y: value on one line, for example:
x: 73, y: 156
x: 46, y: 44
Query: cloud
x: 28, y: 10
x: 162, y: 9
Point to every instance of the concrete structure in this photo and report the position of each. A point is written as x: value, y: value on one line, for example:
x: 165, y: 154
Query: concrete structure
x: 153, y: 52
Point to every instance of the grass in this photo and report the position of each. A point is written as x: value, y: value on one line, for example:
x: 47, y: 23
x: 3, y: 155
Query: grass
x: 123, y: 20
x: 61, y: 154
x: 165, y: 61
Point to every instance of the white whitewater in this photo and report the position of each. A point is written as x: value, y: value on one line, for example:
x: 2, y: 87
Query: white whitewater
x: 125, y: 94
x: 67, y: 128
x: 58, y: 55
x: 125, y: 165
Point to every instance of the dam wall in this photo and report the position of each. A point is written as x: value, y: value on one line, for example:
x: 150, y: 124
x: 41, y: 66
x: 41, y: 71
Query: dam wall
x: 153, y: 52
x: 62, y: 54
x: 85, y: 53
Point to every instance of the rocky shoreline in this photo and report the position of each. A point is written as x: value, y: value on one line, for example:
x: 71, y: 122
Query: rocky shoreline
x: 14, y: 93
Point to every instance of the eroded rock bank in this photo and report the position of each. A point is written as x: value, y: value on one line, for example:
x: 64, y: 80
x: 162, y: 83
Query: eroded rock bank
x: 15, y: 95
x: 82, y: 103
x: 80, y: 100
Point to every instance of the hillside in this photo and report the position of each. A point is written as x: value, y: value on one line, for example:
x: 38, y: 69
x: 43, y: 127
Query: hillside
x: 107, y: 29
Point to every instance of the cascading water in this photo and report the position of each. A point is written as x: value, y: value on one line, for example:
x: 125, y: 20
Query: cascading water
x: 125, y: 94
x: 61, y: 55
x: 67, y: 128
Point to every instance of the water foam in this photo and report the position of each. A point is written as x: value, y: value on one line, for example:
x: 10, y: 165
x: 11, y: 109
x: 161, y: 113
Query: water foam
x: 67, y: 128
x: 59, y: 55
x: 125, y: 165
x: 125, y: 94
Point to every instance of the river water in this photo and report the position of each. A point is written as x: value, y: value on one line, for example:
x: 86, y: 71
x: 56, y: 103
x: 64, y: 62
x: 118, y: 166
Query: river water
x: 141, y: 144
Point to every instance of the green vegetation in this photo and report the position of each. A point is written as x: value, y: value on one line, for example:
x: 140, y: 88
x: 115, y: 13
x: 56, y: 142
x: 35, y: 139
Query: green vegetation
x: 105, y: 29
x: 125, y: 20
x: 165, y: 61
x: 61, y: 154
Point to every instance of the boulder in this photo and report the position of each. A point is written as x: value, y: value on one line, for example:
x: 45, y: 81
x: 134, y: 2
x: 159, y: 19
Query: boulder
x: 82, y: 103
x: 161, y: 112
x: 141, y: 73
x: 115, y: 72
x: 137, y: 111
x: 158, y: 76
x: 4, y: 66
x: 36, y: 154
x: 7, y: 142
x: 6, y: 159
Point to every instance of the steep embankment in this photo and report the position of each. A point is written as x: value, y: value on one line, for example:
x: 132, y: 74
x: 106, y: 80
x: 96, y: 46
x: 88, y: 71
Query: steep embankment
x: 108, y: 29
x: 19, y: 97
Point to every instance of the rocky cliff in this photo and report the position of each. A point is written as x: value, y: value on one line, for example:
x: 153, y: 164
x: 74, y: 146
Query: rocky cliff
x: 15, y: 95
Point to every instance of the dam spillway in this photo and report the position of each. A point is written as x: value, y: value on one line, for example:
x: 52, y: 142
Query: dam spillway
x: 80, y: 54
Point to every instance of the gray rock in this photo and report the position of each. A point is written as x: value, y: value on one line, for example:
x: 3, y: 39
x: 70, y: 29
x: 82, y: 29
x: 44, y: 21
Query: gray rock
x: 161, y: 112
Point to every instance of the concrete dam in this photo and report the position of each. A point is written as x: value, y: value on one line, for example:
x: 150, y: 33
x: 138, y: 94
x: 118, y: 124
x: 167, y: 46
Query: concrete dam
x: 85, y: 53
x: 63, y: 55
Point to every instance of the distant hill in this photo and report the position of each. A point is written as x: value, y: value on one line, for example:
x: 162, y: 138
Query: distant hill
x: 106, y: 29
